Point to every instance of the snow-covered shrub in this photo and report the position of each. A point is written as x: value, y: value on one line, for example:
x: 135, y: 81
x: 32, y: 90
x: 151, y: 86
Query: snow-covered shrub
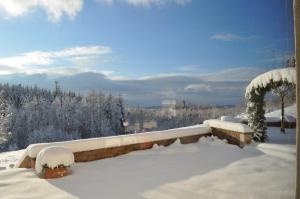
x: 53, y: 157
x: 256, y: 114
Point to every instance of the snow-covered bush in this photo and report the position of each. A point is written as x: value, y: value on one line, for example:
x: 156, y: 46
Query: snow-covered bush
x: 256, y: 114
x: 53, y: 157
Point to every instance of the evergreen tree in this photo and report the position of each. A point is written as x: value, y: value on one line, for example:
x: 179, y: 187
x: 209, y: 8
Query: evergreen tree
x: 256, y: 114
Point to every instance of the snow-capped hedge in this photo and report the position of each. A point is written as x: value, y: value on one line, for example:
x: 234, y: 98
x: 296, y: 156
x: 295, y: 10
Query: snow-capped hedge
x: 232, y: 126
x: 53, y: 157
x: 264, y: 79
x: 115, y: 141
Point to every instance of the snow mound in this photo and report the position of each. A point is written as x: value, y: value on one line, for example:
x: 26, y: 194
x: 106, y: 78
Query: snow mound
x: 264, y: 79
x: 53, y: 157
x: 242, y: 128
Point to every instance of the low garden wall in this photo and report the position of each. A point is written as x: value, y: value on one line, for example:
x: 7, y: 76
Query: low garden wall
x: 105, y: 147
x: 235, y: 133
x: 86, y: 150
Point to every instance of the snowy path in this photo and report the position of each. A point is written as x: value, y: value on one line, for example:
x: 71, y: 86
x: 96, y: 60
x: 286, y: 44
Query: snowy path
x: 208, y: 169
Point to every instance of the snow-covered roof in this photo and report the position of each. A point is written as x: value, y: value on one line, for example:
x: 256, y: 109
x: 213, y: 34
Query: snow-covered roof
x: 232, y: 126
x: 264, y: 79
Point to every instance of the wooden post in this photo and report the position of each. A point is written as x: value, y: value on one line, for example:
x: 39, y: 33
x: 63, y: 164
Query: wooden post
x: 297, y: 56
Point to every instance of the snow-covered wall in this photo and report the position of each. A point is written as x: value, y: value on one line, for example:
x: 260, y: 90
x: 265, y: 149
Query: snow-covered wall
x: 232, y: 126
x: 116, y: 141
x: 100, y: 147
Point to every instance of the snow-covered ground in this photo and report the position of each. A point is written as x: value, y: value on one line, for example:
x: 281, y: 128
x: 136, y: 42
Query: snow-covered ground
x: 207, y: 169
x: 9, y: 159
x: 290, y: 113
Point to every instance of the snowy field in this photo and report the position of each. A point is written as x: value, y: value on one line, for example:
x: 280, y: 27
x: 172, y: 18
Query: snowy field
x: 207, y: 169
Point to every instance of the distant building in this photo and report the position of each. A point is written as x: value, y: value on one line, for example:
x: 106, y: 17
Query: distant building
x: 168, y: 108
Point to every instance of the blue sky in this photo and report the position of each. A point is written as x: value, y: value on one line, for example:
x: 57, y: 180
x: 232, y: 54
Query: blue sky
x: 127, y: 39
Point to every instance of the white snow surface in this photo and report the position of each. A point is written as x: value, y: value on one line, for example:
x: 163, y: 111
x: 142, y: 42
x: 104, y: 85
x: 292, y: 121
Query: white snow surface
x: 275, y: 116
x: 207, y: 169
x: 264, y: 79
x: 232, y: 126
x: 121, y: 140
x: 53, y: 157
x: 289, y: 114
x: 9, y: 159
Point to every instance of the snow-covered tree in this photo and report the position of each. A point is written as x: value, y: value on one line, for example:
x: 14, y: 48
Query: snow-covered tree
x: 39, y: 113
x: 256, y: 91
x: 283, y: 89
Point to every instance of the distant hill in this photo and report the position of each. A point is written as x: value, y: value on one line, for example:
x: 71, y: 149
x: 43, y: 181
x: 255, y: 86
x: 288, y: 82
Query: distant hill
x: 223, y: 88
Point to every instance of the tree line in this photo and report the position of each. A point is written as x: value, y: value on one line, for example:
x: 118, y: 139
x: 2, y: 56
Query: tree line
x: 32, y: 115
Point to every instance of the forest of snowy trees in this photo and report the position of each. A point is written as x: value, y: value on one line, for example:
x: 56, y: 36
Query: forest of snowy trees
x: 33, y: 115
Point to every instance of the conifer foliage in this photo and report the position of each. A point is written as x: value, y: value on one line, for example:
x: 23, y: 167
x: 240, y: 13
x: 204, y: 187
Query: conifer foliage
x: 35, y: 115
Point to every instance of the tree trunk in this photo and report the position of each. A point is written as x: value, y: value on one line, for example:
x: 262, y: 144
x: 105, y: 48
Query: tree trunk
x: 282, y: 115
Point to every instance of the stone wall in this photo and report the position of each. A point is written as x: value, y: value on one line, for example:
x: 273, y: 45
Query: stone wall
x: 233, y: 137
x: 98, y: 154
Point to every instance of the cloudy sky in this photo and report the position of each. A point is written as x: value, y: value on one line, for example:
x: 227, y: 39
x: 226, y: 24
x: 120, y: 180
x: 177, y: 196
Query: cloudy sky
x: 142, y: 39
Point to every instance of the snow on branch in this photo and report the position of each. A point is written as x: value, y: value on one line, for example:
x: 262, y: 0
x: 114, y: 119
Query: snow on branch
x: 282, y: 74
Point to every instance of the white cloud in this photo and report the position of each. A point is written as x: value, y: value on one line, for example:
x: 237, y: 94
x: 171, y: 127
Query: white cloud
x: 55, y: 9
x: 229, y: 37
x: 47, y: 61
x: 146, y: 3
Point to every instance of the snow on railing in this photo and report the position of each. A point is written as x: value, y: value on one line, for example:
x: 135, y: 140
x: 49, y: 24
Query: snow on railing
x: 116, y: 141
